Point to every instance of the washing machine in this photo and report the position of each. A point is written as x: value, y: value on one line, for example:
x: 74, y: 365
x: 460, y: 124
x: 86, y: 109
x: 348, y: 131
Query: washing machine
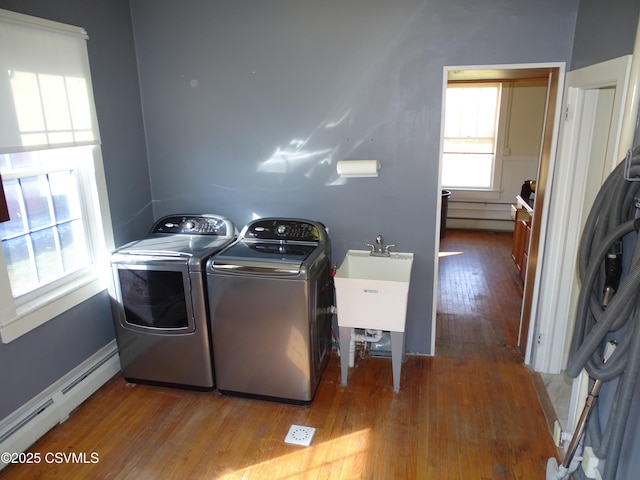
x: 160, y: 301
x: 270, y: 295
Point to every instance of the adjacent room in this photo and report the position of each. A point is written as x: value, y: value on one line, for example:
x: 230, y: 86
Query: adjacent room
x: 295, y: 239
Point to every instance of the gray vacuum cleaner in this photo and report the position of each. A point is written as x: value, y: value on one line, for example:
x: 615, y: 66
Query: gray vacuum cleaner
x: 606, y: 337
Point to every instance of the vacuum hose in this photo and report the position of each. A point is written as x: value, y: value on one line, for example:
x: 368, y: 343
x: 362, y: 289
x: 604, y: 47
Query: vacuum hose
x: 609, y: 304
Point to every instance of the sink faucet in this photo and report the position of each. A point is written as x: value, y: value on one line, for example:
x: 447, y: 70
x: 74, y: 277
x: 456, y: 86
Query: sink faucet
x: 379, y: 249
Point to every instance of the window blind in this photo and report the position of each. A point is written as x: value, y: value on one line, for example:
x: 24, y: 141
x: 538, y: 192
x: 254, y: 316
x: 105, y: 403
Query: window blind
x: 46, y: 97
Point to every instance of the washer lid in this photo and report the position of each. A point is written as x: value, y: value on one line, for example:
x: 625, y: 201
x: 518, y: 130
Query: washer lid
x: 290, y: 253
x: 265, y: 258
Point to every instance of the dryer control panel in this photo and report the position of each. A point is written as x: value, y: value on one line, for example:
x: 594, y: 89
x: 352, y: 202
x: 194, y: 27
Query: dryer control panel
x: 193, y: 224
x: 285, y: 229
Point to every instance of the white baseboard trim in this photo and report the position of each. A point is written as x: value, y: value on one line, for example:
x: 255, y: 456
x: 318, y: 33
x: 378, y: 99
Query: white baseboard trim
x: 480, y: 224
x: 25, y: 426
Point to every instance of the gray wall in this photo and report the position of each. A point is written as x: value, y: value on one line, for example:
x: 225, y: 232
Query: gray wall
x: 604, y: 30
x: 248, y: 105
x: 39, y: 358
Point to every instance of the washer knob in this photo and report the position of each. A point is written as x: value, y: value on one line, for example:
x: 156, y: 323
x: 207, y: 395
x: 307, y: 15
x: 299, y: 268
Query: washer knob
x: 281, y: 229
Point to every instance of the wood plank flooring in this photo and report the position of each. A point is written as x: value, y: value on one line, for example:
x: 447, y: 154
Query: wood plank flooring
x: 475, y: 418
x: 479, y: 297
x: 452, y: 419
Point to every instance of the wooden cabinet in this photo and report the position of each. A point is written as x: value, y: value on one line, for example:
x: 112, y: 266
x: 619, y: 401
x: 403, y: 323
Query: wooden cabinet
x: 520, y: 250
x: 521, y: 235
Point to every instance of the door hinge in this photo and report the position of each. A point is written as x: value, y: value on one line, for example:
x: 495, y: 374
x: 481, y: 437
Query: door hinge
x: 565, y: 112
x: 540, y: 338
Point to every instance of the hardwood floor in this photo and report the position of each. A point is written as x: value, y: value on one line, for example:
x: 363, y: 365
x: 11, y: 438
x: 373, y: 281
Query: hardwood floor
x: 479, y: 297
x: 475, y: 418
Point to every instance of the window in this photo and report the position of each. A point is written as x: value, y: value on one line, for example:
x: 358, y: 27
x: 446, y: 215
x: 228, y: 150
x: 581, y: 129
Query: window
x: 45, y: 238
x: 56, y: 241
x: 471, y: 125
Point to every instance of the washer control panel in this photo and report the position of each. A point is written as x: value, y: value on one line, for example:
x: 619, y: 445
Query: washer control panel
x: 285, y: 229
x: 193, y: 224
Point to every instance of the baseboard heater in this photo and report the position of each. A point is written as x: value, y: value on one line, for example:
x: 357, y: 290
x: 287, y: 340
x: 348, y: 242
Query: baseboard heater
x: 25, y: 426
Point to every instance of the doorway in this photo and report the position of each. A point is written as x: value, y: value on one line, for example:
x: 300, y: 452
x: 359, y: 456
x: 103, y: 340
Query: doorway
x: 553, y: 73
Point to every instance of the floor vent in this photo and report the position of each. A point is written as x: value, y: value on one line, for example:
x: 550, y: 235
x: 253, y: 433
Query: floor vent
x: 299, y: 435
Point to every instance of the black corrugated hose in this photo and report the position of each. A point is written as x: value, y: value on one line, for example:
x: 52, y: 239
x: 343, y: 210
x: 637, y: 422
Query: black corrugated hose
x: 612, y: 221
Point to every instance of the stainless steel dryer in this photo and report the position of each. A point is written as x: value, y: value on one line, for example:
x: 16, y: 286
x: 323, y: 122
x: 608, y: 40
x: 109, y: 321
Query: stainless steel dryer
x: 270, y: 295
x: 160, y: 301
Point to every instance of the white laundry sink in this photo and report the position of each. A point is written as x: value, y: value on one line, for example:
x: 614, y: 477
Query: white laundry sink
x: 371, y: 293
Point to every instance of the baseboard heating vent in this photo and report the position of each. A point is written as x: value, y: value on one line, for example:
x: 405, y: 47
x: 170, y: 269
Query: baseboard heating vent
x: 25, y: 426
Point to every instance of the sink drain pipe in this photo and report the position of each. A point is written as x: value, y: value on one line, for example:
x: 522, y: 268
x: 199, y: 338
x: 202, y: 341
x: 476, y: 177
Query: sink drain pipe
x: 372, y: 336
x: 608, y: 311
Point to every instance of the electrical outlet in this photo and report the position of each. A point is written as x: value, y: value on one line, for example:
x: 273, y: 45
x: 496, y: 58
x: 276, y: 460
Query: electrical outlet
x: 557, y: 433
x: 589, y: 462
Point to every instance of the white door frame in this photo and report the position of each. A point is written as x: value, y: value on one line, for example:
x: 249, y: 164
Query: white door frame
x: 547, y: 343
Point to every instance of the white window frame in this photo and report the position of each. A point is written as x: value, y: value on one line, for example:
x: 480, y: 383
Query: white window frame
x: 20, y: 315
x: 493, y: 192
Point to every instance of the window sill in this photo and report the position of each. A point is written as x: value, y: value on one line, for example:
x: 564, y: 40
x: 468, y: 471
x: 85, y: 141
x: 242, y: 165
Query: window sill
x: 48, y: 306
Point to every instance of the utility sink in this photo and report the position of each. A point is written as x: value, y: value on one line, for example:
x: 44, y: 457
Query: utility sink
x: 371, y: 293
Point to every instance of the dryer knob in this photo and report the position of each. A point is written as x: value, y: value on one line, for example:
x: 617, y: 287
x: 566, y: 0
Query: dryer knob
x: 281, y: 229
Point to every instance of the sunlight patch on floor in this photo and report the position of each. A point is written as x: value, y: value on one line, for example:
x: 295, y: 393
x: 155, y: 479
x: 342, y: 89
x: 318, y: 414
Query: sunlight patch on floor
x: 317, y: 461
x: 448, y: 254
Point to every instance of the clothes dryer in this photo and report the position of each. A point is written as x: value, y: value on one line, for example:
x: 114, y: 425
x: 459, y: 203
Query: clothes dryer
x: 160, y: 301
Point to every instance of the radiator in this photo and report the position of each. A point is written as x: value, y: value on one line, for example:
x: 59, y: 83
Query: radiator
x: 25, y: 426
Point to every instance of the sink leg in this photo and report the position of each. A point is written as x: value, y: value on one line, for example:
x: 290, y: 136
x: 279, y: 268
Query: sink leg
x: 345, y: 339
x: 397, y: 348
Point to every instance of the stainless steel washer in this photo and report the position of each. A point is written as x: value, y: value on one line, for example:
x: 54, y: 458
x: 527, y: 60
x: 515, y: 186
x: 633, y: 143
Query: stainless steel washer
x: 160, y: 301
x: 270, y: 295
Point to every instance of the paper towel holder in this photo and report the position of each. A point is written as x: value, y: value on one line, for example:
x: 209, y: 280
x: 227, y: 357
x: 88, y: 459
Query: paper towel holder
x: 358, y: 168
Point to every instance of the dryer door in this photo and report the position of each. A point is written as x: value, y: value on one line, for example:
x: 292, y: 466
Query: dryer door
x: 154, y: 298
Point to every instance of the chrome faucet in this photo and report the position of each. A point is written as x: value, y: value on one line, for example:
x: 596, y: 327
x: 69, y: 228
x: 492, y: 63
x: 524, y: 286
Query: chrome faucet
x: 379, y: 249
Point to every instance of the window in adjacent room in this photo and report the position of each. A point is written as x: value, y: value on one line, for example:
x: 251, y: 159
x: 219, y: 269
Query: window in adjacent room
x: 58, y: 235
x: 470, y: 130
